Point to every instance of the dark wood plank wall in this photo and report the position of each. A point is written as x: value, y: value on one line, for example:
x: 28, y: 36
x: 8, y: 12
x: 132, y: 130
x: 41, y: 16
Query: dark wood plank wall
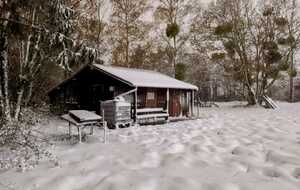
x: 152, y: 98
x: 162, y: 98
x: 85, y: 91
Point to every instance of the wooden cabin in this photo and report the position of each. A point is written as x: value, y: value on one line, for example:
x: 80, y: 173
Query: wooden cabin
x: 144, y: 89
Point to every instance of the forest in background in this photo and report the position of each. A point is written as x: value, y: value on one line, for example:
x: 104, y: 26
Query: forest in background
x: 242, y: 47
x: 235, y: 43
x: 236, y: 48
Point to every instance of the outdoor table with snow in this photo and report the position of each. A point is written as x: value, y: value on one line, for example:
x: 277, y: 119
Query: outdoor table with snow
x: 82, y: 119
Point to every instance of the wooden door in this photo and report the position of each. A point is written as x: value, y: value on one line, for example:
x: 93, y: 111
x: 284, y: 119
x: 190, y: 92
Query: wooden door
x: 161, y: 98
x: 95, y: 95
x: 175, y: 106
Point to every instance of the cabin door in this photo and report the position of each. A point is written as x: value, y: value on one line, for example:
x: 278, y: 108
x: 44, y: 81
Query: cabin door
x: 96, y: 93
x: 175, y: 106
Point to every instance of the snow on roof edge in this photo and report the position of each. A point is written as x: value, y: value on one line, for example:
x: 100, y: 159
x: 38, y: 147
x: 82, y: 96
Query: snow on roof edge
x: 125, y: 74
x: 185, y: 85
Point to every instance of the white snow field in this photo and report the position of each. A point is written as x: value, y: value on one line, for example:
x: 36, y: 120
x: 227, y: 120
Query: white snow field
x: 228, y: 148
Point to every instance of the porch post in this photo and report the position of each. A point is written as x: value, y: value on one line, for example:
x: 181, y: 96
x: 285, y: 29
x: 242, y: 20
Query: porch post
x: 135, y: 106
x: 192, y: 102
x: 168, y: 99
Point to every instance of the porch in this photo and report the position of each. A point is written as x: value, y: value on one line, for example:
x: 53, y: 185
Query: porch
x: 162, y: 103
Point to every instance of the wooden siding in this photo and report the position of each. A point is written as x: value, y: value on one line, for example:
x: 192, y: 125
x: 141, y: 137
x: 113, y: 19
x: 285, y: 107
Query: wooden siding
x: 157, y: 98
x: 85, y: 91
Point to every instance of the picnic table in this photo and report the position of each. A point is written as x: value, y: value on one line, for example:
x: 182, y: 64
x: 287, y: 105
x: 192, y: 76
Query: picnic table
x: 82, y: 119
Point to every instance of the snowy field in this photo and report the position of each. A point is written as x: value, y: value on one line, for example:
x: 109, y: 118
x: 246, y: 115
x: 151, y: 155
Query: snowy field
x: 228, y: 148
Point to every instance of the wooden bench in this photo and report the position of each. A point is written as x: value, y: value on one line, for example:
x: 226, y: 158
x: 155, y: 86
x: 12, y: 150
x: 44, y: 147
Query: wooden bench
x: 147, y: 115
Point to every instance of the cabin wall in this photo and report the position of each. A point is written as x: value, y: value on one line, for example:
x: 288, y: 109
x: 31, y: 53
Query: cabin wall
x: 85, y: 91
x: 152, y: 98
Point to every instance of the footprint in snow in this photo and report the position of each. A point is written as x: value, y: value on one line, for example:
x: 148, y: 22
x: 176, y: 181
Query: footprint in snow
x: 175, y: 148
x: 272, y: 172
x: 296, y: 173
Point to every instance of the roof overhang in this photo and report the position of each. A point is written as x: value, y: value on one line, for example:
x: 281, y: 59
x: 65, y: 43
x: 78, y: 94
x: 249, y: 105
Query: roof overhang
x: 121, y: 79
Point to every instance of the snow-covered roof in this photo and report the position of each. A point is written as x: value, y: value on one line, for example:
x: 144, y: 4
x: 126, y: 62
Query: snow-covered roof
x: 145, y: 78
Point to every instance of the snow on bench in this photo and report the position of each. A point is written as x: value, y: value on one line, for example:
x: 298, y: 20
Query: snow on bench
x: 149, y: 110
x: 84, y: 116
x: 158, y: 115
x: 68, y: 118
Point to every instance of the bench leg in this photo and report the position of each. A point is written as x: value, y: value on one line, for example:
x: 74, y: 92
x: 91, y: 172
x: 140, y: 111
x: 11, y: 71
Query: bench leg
x: 70, y: 129
x: 104, y: 131
x: 92, y: 130
x: 79, y: 134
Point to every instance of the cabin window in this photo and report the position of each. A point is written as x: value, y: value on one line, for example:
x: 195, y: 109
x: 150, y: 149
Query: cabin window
x: 139, y: 99
x: 61, y: 98
x: 111, y: 88
x: 71, y: 100
x: 70, y: 94
x: 150, y: 96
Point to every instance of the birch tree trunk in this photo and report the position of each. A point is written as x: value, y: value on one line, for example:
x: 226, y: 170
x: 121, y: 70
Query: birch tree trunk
x: 250, y: 92
x: 29, y: 93
x: 174, y: 56
x: 251, y: 96
x: 25, y: 63
x: 291, y: 90
x: 4, y: 82
x: 4, y: 72
x: 18, y: 104
x: 1, y: 94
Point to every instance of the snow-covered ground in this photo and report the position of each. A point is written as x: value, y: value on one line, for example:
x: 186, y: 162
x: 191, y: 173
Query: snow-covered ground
x: 229, y: 148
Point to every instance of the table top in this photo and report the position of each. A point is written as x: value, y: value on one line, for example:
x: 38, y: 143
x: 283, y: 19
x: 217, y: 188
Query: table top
x: 68, y: 118
x: 84, y: 115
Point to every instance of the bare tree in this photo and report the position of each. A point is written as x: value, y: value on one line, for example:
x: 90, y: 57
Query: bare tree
x: 92, y: 23
x: 246, y: 38
x: 127, y: 28
x: 38, y: 40
x: 292, y: 40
